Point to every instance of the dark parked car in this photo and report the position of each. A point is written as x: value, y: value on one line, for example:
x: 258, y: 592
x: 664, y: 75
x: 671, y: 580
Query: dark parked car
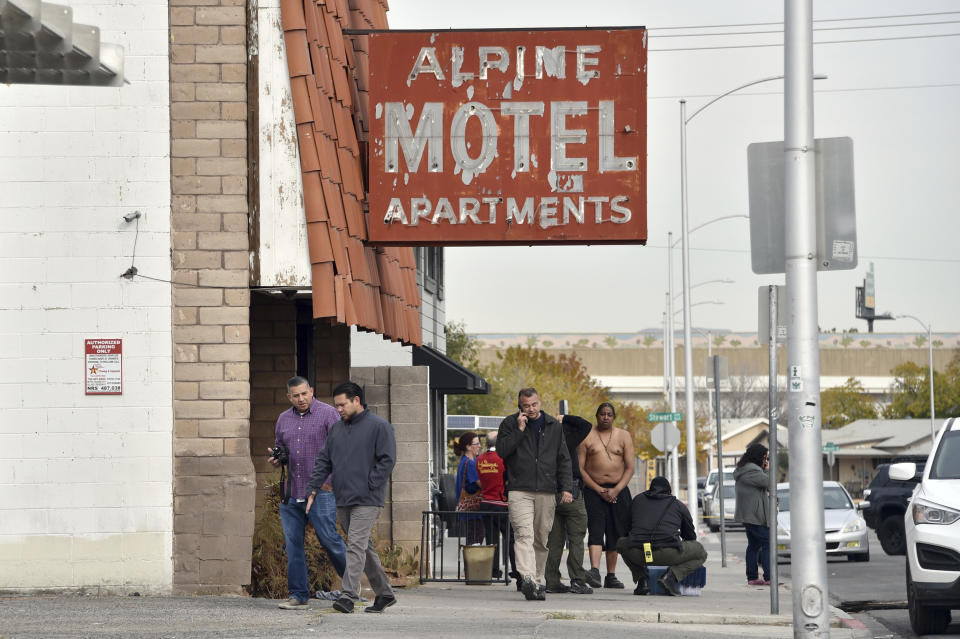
x: 885, y: 502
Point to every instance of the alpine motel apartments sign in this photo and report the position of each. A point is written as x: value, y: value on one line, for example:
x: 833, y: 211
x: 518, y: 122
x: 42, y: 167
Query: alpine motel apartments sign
x: 508, y: 137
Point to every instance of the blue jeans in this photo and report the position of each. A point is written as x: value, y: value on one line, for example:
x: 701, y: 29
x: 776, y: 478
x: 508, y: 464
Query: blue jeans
x: 758, y: 548
x: 322, y: 517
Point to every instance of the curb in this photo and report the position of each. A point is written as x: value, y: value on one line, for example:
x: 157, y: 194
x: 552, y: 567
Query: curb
x: 838, y: 619
x: 857, y: 627
x: 674, y: 617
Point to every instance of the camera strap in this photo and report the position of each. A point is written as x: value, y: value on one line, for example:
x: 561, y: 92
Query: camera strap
x: 284, y: 497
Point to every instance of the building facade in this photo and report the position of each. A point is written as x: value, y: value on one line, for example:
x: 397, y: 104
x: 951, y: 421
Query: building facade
x: 209, y: 217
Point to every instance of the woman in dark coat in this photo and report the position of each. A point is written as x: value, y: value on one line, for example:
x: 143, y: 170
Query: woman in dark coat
x: 752, y: 484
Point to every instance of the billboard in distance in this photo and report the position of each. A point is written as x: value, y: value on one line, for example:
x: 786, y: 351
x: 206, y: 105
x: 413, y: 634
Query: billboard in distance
x: 508, y: 137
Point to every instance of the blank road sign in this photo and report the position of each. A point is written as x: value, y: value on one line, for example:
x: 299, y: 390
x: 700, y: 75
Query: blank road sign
x: 836, y: 212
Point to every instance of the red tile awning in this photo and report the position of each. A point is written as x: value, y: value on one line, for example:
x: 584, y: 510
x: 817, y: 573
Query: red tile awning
x: 370, y: 287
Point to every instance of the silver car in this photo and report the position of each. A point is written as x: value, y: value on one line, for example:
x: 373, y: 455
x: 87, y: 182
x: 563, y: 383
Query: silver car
x: 844, y: 528
x: 711, y: 506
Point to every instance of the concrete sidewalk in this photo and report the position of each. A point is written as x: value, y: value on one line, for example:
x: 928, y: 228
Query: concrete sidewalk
x: 726, y: 607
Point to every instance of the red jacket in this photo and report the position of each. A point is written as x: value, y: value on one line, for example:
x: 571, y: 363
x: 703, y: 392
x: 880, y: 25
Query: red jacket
x: 490, y: 467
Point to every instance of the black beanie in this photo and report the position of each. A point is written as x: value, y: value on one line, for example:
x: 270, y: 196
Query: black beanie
x: 660, y: 485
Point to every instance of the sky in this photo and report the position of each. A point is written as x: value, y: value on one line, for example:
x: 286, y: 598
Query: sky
x: 895, y: 94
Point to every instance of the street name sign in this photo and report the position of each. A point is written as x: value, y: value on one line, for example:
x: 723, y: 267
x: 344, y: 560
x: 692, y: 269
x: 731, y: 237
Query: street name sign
x: 498, y: 137
x: 664, y: 417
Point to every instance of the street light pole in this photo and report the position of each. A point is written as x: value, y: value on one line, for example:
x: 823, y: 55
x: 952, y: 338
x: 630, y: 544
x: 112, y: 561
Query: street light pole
x: 668, y: 468
x: 929, y: 329
x: 685, y: 237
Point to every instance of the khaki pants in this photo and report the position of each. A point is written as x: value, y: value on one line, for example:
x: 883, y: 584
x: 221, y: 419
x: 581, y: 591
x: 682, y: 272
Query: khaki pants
x: 531, y: 515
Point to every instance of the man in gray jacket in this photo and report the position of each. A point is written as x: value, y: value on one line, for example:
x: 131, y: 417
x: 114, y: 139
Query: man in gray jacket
x: 359, y: 454
x: 535, y: 453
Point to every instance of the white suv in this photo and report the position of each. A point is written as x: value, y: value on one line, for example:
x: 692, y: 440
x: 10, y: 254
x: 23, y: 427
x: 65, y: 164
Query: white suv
x: 932, y: 524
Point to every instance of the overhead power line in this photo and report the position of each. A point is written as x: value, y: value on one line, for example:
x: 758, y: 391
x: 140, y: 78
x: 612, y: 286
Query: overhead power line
x: 780, y: 31
x: 780, y: 44
x: 653, y: 30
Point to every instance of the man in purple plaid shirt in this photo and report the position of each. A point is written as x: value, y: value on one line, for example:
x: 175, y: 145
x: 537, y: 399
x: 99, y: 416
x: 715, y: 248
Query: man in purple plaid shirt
x: 304, y: 429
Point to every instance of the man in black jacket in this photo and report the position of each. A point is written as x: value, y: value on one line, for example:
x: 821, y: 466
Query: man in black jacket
x: 533, y: 448
x: 662, y: 521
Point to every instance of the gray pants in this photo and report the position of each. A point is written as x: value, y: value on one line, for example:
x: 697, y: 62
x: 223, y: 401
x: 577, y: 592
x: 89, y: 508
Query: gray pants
x: 680, y: 562
x: 362, y: 557
x: 570, y: 525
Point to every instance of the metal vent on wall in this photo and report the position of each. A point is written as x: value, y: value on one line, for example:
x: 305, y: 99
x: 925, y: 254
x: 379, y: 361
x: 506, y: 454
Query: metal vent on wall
x: 40, y: 44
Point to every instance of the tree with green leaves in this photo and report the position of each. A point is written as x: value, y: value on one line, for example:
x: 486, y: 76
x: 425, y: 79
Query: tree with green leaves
x: 845, y: 404
x: 910, y: 394
x: 555, y: 377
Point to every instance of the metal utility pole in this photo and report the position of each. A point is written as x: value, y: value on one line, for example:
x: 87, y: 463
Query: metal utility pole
x: 670, y: 465
x: 721, y: 477
x: 811, y: 615
x: 772, y: 425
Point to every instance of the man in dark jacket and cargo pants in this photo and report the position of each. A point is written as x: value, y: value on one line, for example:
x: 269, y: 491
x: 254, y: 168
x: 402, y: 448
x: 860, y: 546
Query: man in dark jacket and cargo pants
x: 661, y: 524
x: 535, y: 452
x: 360, y: 453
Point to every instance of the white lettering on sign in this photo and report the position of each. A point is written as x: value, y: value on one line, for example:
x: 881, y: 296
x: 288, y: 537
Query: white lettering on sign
x: 398, y: 133
x: 547, y: 212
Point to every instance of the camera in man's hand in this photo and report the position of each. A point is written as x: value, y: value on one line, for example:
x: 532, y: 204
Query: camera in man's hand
x: 282, y: 454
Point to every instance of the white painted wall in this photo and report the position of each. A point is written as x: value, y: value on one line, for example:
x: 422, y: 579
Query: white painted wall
x: 371, y: 349
x: 283, y: 255
x: 86, y: 481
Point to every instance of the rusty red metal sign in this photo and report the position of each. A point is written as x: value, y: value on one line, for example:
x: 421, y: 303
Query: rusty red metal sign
x: 508, y: 137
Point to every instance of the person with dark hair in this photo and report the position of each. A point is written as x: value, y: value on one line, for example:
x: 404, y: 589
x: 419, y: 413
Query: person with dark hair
x: 301, y: 433
x: 360, y: 454
x: 467, y: 447
x: 493, y: 494
x: 606, y: 459
x: 662, y: 521
x: 752, y: 485
x: 533, y: 448
x: 570, y: 520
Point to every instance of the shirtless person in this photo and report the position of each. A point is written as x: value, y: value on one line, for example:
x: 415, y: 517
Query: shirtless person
x: 606, y: 462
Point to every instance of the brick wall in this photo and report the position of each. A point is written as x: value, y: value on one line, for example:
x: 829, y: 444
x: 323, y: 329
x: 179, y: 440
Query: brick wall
x: 214, y: 485
x: 85, y: 480
x: 400, y: 394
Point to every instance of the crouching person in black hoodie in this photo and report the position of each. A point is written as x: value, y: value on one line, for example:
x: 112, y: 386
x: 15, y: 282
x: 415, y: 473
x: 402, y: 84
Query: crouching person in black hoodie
x: 662, y: 521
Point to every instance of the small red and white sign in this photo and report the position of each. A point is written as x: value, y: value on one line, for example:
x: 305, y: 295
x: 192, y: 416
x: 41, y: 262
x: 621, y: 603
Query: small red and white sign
x: 103, y: 364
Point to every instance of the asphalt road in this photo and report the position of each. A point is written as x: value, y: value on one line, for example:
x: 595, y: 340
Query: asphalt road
x: 874, y: 592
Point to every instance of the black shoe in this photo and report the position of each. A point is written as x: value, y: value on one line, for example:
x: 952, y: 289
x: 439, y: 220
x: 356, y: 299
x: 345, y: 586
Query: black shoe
x: 497, y: 574
x: 611, y: 581
x: 643, y: 588
x: 670, y: 584
x: 558, y: 589
x: 593, y: 577
x: 529, y: 589
x: 517, y: 578
x: 380, y: 602
x: 580, y: 588
x: 541, y: 593
x: 343, y: 604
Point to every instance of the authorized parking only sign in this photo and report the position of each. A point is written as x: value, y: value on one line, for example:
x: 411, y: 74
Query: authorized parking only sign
x: 103, y: 366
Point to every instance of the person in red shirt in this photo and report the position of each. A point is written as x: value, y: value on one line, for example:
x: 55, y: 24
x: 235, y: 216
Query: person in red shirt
x: 490, y: 467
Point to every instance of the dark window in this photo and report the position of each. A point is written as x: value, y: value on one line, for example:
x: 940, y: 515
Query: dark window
x: 430, y: 269
x: 305, y: 339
